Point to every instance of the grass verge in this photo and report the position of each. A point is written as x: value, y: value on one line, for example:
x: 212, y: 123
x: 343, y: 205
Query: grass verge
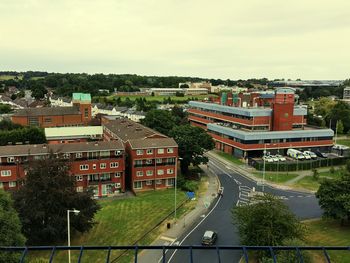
x: 229, y: 157
x: 276, y: 177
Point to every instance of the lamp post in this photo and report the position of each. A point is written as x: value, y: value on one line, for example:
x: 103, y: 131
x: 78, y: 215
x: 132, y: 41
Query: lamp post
x: 175, y: 185
x: 263, y: 186
x: 76, y: 212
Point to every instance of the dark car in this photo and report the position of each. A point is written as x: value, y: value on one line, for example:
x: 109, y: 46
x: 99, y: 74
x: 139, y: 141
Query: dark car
x: 209, y: 238
x: 319, y: 154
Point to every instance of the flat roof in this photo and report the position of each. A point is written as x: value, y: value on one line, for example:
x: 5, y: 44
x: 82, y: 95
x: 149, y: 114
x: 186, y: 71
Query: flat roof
x: 262, y: 135
x: 61, y: 132
x: 43, y: 149
x: 82, y: 96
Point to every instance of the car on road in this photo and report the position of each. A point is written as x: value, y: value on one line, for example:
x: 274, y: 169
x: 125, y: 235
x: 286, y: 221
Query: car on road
x: 281, y: 158
x: 267, y: 159
x: 209, y: 238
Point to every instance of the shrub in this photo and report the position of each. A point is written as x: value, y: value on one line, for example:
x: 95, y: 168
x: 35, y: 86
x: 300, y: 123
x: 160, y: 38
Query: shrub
x: 315, y: 174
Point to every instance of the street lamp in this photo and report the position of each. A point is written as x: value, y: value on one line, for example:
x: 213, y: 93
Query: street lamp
x: 177, y: 158
x: 263, y: 186
x: 76, y: 212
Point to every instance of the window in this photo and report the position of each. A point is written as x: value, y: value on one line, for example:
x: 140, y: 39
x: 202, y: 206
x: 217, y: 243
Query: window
x: 47, y: 120
x: 149, y: 161
x: 149, y: 172
x: 86, y: 113
x: 80, y: 189
x: 160, y: 172
x: 170, y: 171
x: 171, y: 160
x: 149, y: 151
x: 105, y: 177
x: 79, y: 178
x: 66, y: 155
x: 139, y: 173
x: 118, y: 174
x: 139, y: 152
x: 94, y: 166
x: 114, y: 165
x: 78, y: 155
x: 84, y: 167
x: 117, y: 153
x: 160, y: 151
x: 12, y: 184
x: 10, y: 159
x: 170, y: 150
x: 158, y: 181
x: 170, y: 182
x: 1, y: 185
x: 138, y: 185
x: 149, y: 182
x: 6, y: 173
x: 159, y: 160
x: 138, y: 162
x: 117, y: 185
x: 103, y: 166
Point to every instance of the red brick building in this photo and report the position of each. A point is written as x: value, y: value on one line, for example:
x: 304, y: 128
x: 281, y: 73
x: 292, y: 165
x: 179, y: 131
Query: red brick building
x: 96, y: 165
x: 152, y: 156
x: 77, y: 115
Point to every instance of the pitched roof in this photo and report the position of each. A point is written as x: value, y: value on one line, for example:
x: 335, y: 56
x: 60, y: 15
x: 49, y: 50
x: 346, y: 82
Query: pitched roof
x: 47, y: 111
x: 152, y: 143
x: 127, y: 130
x: 41, y: 149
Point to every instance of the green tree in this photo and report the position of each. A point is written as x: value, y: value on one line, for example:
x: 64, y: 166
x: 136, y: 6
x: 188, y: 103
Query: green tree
x: 340, y: 127
x: 192, y: 142
x: 334, y: 198
x: 341, y: 112
x: 180, y: 115
x: 324, y: 106
x: 159, y: 120
x: 4, y: 108
x: 266, y: 221
x: 10, y: 228
x: 42, y: 202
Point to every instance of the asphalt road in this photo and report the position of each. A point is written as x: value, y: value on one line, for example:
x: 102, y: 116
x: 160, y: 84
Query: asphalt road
x: 219, y: 219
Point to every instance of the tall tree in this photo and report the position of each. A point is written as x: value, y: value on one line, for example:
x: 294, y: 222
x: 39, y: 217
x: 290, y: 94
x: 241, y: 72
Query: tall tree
x: 193, y: 142
x: 42, y: 202
x: 266, y: 221
x: 10, y: 228
x: 160, y: 120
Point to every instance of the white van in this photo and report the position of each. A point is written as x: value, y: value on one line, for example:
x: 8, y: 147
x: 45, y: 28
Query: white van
x: 295, y: 154
x: 311, y: 154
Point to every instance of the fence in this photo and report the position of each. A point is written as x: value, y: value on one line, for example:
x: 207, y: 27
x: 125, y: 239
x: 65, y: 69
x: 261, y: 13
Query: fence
x: 272, y: 251
x: 297, y: 165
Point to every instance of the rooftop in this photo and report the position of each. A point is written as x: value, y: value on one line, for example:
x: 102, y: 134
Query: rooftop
x: 43, y: 149
x: 60, y: 132
x: 82, y: 97
x: 47, y: 111
x: 126, y: 129
x: 152, y: 143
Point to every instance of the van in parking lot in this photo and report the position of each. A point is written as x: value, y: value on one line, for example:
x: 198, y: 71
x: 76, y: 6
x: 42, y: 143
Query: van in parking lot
x: 311, y: 154
x: 295, y: 154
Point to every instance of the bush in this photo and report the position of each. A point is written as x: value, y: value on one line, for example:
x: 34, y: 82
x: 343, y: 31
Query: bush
x: 187, y: 185
x: 315, y: 174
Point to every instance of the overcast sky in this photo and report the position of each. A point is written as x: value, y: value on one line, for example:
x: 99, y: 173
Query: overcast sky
x: 233, y: 39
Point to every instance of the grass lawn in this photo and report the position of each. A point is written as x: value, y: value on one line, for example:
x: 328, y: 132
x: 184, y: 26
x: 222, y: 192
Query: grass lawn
x: 322, y: 232
x: 276, y: 177
x: 7, y: 77
x: 123, y: 222
x: 344, y: 142
x: 229, y: 157
x: 308, y: 182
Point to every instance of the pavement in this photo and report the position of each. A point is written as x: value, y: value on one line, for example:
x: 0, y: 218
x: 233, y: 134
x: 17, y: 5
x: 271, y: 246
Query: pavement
x: 185, y: 223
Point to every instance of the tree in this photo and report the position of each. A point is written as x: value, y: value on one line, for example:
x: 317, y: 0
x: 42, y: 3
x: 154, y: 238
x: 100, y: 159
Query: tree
x: 334, y: 198
x: 324, y: 106
x: 340, y: 127
x: 341, y: 112
x: 180, y: 115
x: 266, y: 221
x: 192, y: 142
x: 42, y: 202
x: 10, y: 228
x: 160, y: 120
x: 4, y: 108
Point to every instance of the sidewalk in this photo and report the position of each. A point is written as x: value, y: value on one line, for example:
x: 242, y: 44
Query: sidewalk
x: 172, y: 235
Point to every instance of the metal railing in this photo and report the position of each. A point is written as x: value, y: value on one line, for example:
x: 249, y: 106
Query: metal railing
x: 271, y: 250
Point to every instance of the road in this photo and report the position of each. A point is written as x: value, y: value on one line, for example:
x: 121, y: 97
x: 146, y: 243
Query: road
x: 218, y: 218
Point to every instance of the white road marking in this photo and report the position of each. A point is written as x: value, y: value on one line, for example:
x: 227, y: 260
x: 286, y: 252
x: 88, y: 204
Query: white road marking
x: 200, y: 222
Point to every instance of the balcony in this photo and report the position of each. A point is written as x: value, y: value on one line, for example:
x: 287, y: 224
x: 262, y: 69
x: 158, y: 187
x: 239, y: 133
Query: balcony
x: 189, y: 250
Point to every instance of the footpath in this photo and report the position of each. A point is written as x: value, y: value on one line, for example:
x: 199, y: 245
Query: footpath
x: 182, y: 225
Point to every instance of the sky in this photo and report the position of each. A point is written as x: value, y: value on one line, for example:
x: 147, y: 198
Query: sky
x: 234, y: 39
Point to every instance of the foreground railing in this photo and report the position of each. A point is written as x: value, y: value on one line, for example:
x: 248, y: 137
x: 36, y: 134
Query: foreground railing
x: 272, y: 251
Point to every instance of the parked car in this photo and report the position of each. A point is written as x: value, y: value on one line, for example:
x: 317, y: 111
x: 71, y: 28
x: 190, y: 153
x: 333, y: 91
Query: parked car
x: 320, y: 154
x: 267, y: 159
x: 209, y: 238
x: 281, y: 158
x: 311, y: 154
x: 298, y: 155
x: 306, y: 156
x: 274, y: 158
